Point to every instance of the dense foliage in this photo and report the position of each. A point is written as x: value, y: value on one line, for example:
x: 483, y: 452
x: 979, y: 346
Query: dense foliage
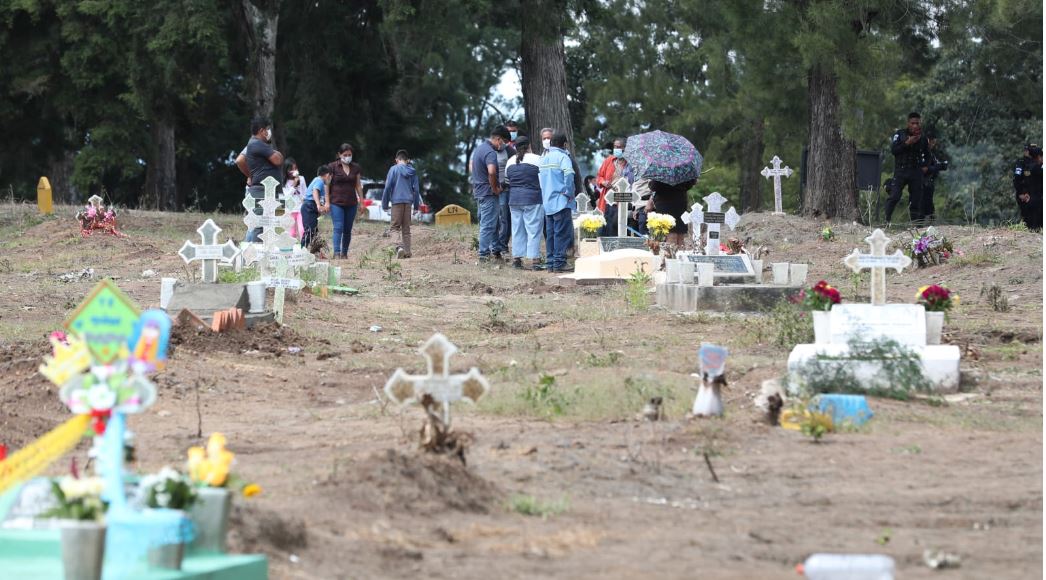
x: 149, y: 103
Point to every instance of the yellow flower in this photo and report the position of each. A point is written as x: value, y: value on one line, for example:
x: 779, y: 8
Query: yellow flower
x: 251, y: 490
x: 919, y: 294
x: 955, y: 299
x: 210, y: 467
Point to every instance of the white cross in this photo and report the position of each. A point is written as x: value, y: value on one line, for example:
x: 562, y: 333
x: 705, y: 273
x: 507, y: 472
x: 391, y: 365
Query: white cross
x: 268, y: 221
x: 584, y: 203
x: 444, y: 387
x: 713, y: 217
x: 694, y: 218
x: 776, y: 173
x: 878, y: 261
x: 209, y: 252
x: 95, y: 201
x: 622, y: 196
x: 281, y: 281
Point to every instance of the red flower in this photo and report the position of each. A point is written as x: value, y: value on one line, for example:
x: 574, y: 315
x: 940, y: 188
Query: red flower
x: 99, y: 422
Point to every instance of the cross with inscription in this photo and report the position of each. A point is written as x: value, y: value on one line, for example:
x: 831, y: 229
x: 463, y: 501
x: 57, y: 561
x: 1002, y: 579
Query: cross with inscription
x: 713, y: 218
x: 442, y: 386
x: 878, y: 261
x: 776, y: 173
x: 209, y: 251
x: 694, y: 218
x: 268, y: 221
x: 622, y: 196
x: 281, y: 281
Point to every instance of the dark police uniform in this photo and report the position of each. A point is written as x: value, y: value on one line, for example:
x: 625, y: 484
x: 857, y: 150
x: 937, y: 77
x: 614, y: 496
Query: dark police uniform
x: 1027, y: 178
x: 908, y: 163
x: 933, y: 166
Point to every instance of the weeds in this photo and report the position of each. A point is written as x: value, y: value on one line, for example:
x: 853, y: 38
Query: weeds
x: 231, y: 276
x: 979, y: 259
x: 495, y: 310
x: 788, y: 325
x: 636, y: 293
x: 996, y: 298
x: 899, y: 374
x: 604, y: 360
x: 545, y: 399
x: 391, y: 266
x: 1017, y: 227
x: 529, y: 505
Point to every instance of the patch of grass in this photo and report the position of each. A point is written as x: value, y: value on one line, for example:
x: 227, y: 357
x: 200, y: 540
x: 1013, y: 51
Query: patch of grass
x: 529, y: 505
x: 996, y: 298
x: 390, y: 264
x: 1017, y: 227
x: 231, y: 276
x: 636, y: 292
x: 545, y: 399
x: 978, y: 259
x: 785, y: 326
x: 604, y: 360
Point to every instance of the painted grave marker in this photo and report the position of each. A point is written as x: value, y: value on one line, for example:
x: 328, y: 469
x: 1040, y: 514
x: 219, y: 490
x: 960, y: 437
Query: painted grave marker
x: 713, y: 217
x: 776, y: 174
x: 209, y: 251
x: 104, y: 320
x: 877, y: 261
x: 44, y: 198
x: 445, y: 388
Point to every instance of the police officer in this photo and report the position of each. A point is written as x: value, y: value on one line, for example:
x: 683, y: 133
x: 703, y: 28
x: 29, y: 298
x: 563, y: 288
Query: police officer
x: 910, y: 152
x: 1027, y: 185
x: 934, y: 165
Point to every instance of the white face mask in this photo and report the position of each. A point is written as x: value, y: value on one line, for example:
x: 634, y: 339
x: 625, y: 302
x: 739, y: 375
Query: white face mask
x: 294, y: 173
x: 268, y: 134
x: 346, y: 159
x: 546, y: 143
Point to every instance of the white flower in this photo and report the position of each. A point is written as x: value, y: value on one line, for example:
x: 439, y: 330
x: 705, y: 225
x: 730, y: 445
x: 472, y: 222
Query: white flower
x: 101, y: 397
x: 78, y: 403
x: 163, y: 499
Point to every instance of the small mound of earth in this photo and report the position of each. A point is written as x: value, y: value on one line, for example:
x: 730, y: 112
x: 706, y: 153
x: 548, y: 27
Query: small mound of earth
x: 255, y: 529
x: 268, y: 337
x: 29, y: 401
x: 420, y: 484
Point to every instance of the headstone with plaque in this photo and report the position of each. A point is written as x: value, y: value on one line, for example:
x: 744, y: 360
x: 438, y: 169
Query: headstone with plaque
x: 713, y: 217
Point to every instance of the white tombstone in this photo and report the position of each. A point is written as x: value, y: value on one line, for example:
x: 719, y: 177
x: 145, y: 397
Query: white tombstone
x: 623, y: 196
x: 268, y: 221
x: 877, y: 261
x: 444, y: 387
x: 584, y: 203
x: 209, y: 252
x: 713, y: 218
x: 776, y: 173
x: 281, y: 281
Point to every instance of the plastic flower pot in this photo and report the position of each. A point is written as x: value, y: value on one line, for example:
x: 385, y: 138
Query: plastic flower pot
x: 167, y: 556
x: 83, y: 549
x: 210, y: 516
x: 822, y: 326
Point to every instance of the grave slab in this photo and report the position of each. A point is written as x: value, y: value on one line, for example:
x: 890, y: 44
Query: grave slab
x: 732, y: 298
x: 204, y: 300
x: 940, y: 365
x: 615, y: 264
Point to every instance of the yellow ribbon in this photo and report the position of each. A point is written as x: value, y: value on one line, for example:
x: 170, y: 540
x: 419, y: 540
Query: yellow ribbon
x: 35, y: 457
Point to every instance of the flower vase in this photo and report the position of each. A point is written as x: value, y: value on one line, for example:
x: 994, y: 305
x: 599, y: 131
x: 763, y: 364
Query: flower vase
x: 822, y: 326
x: 83, y: 549
x: 934, y: 327
x: 167, y: 556
x: 210, y: 516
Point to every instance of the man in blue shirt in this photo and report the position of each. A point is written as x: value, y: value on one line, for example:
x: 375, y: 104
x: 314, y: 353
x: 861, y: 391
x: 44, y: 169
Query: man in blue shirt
x: 486, y: 188
x: 557, y: 192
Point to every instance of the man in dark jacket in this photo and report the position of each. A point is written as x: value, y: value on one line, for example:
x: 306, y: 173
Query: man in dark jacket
x: 1027, y: 185
x: 401, y: 195
x: 910, y: 152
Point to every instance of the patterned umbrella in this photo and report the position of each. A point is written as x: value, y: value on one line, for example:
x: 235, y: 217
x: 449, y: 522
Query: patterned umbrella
x: 663, y: 157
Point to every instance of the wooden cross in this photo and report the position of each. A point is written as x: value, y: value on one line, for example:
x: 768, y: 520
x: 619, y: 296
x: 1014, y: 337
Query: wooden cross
x: 622, y: 195
x: 878, y: 261
x: 444, y: 387
x: 281, y: 281
x: 713, y: 218
x: 268, y: 221
x: 209, y: 251
x: 776, y: 173
x: 694, y: 218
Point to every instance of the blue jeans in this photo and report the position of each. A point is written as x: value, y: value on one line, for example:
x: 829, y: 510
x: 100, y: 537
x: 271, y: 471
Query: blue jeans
x: 310, y: 219
x: 526, y: 230
x: 559, y: 228
x: 488, y: 222
x: 504, y: 223
x: 343, y: 217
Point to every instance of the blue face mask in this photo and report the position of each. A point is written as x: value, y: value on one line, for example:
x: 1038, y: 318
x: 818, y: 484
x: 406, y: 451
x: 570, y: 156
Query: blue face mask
x: 618, y: 152
x: 513, y: 134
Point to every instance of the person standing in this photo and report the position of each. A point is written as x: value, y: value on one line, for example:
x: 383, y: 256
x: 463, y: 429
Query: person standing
x: 556, y: 175
x: 344, y: 199
x: 257, y: 161
x: 910, y: 152
x: 402, y: 194
x: 1027, y: 185
x: 934, y: 166
x: 605, y: 175
x: 315, y: 203
x: 527, y: 213
x: 483, y: 175
x: 504, y: 222
x: 294, y: 189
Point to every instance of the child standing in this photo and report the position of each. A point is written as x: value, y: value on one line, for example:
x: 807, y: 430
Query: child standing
x: 294, y: 189
x: 401, y: 194
x: 315, y: 204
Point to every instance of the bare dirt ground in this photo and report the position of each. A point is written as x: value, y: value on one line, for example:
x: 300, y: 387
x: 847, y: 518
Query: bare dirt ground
x: 347, y: 495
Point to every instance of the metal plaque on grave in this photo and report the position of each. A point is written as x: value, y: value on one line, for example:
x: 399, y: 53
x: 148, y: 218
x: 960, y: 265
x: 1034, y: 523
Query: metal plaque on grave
x: 715, y: 217
x: 609, y: 244
x: 726, y: 265
x: 623, y: 197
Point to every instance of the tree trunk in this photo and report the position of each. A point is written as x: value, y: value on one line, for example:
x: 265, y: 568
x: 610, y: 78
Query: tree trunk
x: 831, y: 183
x: 544, y: 71
x: 752, y: 164
x: 60, y: 174
x: 161, y: 191
x: 262, y: 19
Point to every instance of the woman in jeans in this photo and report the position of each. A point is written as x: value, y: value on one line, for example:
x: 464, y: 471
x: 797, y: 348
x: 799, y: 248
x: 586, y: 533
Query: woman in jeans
x: 344, y: 198
x: 528, y: 215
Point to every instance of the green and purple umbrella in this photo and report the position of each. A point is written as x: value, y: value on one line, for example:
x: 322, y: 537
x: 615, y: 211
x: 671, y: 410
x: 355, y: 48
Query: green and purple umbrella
x: 663, y: 157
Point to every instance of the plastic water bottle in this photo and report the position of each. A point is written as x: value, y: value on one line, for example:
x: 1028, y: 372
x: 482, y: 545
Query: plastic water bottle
x: 848, y: 567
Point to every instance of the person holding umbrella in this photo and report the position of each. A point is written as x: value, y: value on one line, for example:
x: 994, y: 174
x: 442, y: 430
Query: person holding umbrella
x: 672, y: 164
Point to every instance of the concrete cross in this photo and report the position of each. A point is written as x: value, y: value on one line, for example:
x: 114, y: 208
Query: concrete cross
x: 95, y: 201
x: 444, y: 387
x: 209, y: 251
x: 776, y: 173
x: 878, y: 261
x: 584, y: 203
x: 281, y: 281
x: 694, y: 218
x: 713, y: 218
x: 622, y: 195
x: 268, y: 221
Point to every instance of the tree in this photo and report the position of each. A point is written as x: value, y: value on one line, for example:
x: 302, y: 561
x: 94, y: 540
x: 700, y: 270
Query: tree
x: 260, y: 21
x: 543, y: 67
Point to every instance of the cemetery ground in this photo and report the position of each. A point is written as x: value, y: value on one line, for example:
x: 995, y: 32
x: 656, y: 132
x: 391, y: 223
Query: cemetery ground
x: 562, y: 480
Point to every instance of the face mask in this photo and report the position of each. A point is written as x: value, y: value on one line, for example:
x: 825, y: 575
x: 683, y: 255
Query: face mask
x: 268, y: 134
x: 618, y: 152
x: 346, y: 159
x: 513, y: 134
x: 546, y: 143
x: 294, y: 173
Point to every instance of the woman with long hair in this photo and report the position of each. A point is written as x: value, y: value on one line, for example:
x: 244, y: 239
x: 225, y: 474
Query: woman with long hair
x: 344, y: 198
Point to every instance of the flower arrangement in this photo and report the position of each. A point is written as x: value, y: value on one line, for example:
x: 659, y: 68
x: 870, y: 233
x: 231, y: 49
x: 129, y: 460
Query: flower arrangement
x: 827, y: 234
x: 95, y: 216
x: 590, y: 224
x: 167, y: 489
x: 935, y: 298
x: 659, y: 225
x: 78, y: 498
x: 820, y: 297
x: 211, y: 467
x: 929, y: 248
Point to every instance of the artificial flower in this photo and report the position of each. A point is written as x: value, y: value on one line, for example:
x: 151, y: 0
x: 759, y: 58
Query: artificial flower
x: 251, y: 490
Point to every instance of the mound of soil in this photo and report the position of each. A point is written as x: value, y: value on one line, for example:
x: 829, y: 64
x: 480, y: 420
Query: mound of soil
x: 29, y: 402
x: 255, y: 529
x: 420, y: 484
x: 269, y: 338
